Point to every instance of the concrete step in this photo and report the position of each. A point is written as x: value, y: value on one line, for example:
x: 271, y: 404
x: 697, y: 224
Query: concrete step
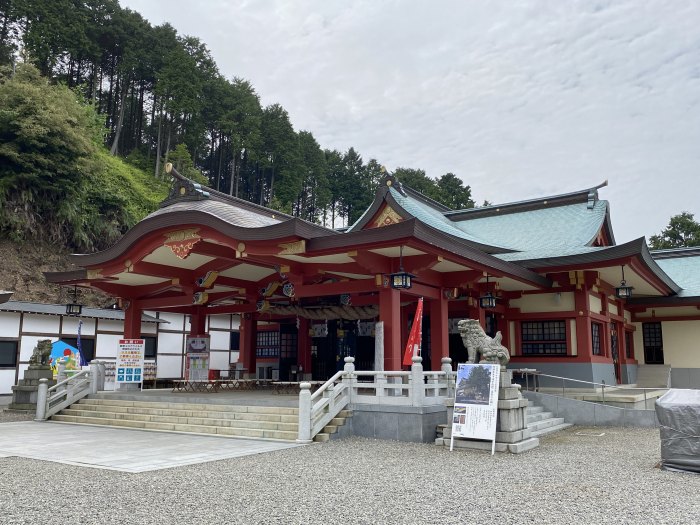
x: 533, y: 409
x: 207, y: 421
x: 190, y: 406
x: 539, y: 416
x: 550, y: 430
x: 177, y: 412
x: 259, y: 422
x: 178, y: 427
x: 545, y: 423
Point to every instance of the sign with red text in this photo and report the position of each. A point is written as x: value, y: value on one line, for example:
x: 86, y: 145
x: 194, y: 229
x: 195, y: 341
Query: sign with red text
x: 129, y: 365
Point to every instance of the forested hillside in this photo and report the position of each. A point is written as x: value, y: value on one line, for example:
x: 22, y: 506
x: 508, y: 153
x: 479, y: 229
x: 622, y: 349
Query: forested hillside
x: 94, y: 100
x: 163, y: 98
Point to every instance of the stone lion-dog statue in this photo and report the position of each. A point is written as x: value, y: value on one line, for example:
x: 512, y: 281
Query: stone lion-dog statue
x: 41, y: 354
x: 476, y: 341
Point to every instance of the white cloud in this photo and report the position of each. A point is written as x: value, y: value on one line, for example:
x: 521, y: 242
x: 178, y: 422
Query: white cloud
x: 520, y: 99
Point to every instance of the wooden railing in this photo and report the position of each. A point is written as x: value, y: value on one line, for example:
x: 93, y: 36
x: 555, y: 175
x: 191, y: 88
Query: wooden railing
x: 348, y: 386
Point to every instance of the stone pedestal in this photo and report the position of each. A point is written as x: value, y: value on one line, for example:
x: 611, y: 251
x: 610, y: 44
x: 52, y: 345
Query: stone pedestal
x: 511, y: 432
x: 24, y: 393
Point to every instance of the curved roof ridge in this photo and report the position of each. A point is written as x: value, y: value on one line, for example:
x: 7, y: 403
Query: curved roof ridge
x: 585, y: 195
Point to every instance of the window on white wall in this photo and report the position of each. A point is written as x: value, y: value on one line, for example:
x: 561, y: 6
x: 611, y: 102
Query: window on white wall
x: 8, y: 354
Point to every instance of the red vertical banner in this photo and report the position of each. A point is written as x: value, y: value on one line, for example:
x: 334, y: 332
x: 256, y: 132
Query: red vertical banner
x: 414, y: 338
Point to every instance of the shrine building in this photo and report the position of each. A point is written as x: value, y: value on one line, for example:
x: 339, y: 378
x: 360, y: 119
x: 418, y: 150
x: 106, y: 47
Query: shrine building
x: 547, y: 273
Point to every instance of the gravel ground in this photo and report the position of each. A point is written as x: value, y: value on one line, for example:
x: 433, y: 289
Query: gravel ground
x: 568, y: 479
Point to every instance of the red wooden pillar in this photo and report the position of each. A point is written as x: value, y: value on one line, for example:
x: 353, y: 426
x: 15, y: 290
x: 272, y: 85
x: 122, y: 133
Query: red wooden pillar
x: 584, y: 347
x: 390, y: 314
x: 439, y: 337
x: 198, y: 321
x: 304, y: 346
x: 248, y: 342
x: 132, y: 320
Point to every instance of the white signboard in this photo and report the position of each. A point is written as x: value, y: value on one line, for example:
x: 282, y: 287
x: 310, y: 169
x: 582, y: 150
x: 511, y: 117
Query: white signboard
x: 476, y: 402
x: 129, y: 365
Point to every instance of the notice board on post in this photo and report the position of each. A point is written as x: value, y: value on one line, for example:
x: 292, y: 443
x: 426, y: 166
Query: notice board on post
x: 129, y: 364
x: 197, y: 358
x: 476, y: 402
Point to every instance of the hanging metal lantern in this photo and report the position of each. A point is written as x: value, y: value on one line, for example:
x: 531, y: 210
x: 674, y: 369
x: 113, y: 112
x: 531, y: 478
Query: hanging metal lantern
x: 623, y: 291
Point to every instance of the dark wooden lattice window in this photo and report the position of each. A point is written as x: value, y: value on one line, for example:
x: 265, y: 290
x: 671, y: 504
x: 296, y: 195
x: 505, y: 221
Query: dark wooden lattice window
x: 595, y: 338
x: 653, y: 343
x: 268, y: 344
x: 543, y: 337
x: 8, y: 354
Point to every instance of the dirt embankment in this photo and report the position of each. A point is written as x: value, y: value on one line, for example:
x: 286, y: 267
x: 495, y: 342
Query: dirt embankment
x: 21, y: 271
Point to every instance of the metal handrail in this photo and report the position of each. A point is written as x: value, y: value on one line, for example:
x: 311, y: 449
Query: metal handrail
x: 528, y: 372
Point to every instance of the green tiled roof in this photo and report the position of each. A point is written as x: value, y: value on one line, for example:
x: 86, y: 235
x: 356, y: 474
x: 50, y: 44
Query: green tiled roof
x: 556, y: 229
x: 685, y: 271
x: 549, y: 251
x: 433, y: 217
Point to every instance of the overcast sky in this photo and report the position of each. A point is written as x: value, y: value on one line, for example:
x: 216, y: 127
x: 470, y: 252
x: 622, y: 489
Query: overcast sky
x: 520, y: 99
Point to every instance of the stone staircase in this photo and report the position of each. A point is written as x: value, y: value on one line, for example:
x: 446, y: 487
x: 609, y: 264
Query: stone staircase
x: 541, y: 423
x: 253, y: 422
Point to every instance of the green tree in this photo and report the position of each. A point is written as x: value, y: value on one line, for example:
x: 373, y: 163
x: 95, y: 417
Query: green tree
x: 452, y: 192
x: 47, y: 139
x: 682, y: 231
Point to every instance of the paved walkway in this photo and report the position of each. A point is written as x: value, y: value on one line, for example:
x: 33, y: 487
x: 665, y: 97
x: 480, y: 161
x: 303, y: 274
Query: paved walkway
x: 121, y: 449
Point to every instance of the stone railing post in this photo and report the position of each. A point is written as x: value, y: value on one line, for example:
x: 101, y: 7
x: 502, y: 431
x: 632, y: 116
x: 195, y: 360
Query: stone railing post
x: 42, y: 397
x: 417, y: 382
x: 304, y: 413
x: 61, y: 375
x: 94, y: 377
x: 103, y: 374
x: 349, y: 377
x: 446, y: 367
x: 381, y: 382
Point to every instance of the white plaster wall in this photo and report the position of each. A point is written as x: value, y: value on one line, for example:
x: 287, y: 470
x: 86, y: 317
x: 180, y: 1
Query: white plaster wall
x: 612, y: 308
x: 628, y: 316
x: 169, y: 366
x: 7, y: 380
x: 170, y: 343
x: 109, y: 325
x: 218, y: 360
x: 595, y: 303
x: 28, y: 344
x: 235, y: 356
x: 545, y: 302
x: 220, y: 321
x: 9, y: 324
x: 511, y: 331
x: 220, y: 340
x: 681, y: 343
x: 70, y: 326
x: 176, y: 320
x: 43, y: 324
x: 574, y: 341
x: 106, y: 345
x: 639, y: 343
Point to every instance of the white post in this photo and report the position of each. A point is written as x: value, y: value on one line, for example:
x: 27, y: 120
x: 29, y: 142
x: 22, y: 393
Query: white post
x: 446, y: 367
x: 42, y: 396
x: 94, y: 377
x: 380, y: 381
x: 103, y: 373
x: 61, y: 375
x: 304, y: 413
x: 417, y: 384
x: 349, y: 377
x: 379, y: 346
